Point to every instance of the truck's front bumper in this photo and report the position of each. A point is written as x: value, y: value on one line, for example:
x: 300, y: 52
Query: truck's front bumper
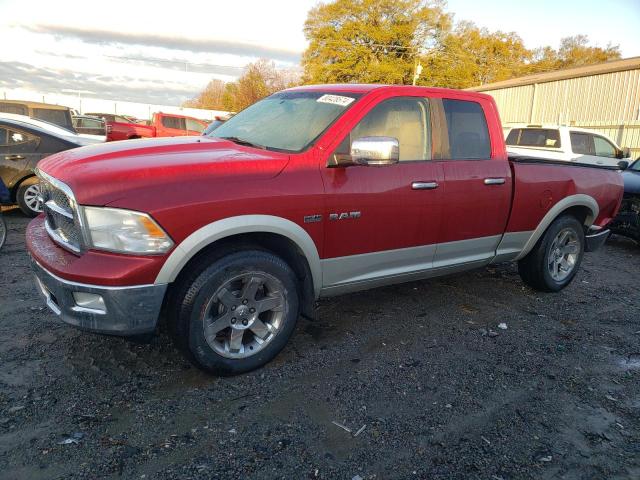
x: 112, y: 310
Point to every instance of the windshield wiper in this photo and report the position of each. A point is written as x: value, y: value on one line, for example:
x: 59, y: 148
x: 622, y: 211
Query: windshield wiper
x: 247, y: 143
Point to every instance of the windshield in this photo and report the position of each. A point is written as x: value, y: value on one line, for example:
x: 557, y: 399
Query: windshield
x: 635, y: 165
x: 288, y: 121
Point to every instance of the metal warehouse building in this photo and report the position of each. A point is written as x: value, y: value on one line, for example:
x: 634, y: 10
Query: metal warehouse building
x: 603, y: 97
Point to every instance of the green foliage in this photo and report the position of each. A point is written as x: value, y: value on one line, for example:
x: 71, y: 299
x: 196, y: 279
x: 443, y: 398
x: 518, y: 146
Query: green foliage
x: 380, y: 41
x: 472, y: 56
x: 369, y: 41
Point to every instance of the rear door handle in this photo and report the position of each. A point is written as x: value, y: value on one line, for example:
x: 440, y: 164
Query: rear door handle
x: 494, y: 181
x: 14, y: 157
x: 424, y: 185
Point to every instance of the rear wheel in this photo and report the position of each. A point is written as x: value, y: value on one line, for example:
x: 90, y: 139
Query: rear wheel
x: 554, y: 260
x: 28, y: 197
x: 236, y: 314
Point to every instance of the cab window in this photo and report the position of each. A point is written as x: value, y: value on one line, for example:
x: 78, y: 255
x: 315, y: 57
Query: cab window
x: 173, y: 122
x: 403, y: 118
x: 467, y: 131
x: 603, y: 147
x: 194, y: 126
x: 581, y: 143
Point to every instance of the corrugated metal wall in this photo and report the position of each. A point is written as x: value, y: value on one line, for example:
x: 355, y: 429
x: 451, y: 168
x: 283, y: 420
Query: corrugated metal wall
x: 608, y: 103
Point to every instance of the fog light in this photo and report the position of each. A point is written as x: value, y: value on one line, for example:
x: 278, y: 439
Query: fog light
x: 89, y: 302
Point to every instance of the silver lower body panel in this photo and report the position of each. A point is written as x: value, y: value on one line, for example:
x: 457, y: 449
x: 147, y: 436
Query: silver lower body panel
x: 123, y: 311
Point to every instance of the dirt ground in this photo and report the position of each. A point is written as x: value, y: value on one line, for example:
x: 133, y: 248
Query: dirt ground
x: 421, y: 374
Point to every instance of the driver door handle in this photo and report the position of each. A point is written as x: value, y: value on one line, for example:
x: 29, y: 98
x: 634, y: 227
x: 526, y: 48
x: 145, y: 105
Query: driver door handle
x: 14, y: 157
x: 424, y: 185
x: 494, y: 181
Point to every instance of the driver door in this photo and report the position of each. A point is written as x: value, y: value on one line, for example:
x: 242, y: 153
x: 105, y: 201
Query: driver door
x: 382, y: 222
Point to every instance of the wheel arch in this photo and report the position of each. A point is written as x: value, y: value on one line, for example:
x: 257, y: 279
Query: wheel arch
x: 583, y: 207
x: 279, y: 235
x: 16, y: 186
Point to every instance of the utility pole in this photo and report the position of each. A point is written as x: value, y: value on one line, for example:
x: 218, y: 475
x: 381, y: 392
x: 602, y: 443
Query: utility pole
x: 417, y: 71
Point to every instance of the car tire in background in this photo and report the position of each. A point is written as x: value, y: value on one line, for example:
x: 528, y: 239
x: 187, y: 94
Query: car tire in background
x: 235, y: 312
x: 28, y: 197
x: 554, y: 261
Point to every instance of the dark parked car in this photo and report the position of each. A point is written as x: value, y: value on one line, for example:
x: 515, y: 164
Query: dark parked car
x: 627, y: 222
x: 23, y: 142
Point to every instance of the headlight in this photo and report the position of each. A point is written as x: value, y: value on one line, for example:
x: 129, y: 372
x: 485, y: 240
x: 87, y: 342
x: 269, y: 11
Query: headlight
x: 124, y: 231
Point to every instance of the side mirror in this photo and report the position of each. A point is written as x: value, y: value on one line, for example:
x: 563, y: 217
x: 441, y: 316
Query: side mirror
x: 375, y: 151
x: 623, y: 164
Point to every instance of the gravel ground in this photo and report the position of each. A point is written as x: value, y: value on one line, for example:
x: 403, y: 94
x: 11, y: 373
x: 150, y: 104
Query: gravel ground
x: 423, y: 371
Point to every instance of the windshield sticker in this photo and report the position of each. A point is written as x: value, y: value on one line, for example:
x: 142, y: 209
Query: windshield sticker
x: 336, y: 100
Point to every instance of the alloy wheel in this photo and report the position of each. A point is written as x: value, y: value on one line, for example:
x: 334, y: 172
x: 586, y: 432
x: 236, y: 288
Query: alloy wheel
x: 563, y: 254
x: 32, y: 198
x: 244, y: 314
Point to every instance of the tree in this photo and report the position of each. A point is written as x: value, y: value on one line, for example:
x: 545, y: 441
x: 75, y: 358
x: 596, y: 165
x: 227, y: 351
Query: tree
x: 258, y: 80
x: 370, y: 41
x: 210, y: 98
x: 473, y: 56
x: 573, y: 52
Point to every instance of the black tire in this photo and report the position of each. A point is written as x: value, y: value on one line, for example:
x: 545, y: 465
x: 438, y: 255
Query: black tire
x: 193, y: 294
x: 24, y: 197
x: 534, y: 269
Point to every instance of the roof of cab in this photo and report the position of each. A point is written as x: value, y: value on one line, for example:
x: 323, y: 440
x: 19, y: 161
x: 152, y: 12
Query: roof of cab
x: 364, y: 88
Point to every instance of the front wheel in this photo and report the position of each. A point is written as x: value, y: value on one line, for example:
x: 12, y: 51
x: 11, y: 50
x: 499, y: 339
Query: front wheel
x: 554, y: 260
x: 236, y: 314
x: 28, y: 197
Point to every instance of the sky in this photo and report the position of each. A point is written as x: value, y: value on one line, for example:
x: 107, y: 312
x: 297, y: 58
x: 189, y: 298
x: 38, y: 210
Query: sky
x: 155, y: 51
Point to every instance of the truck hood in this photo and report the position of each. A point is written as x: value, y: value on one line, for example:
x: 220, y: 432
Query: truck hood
x: 103, y: 173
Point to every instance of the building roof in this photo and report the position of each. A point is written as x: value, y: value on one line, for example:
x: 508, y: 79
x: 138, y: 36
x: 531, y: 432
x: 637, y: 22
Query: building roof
x: 632, y: 63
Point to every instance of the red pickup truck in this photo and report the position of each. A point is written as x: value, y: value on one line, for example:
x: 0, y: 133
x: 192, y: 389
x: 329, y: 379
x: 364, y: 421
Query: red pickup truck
x: 313, y: 191
x: 161, y: 125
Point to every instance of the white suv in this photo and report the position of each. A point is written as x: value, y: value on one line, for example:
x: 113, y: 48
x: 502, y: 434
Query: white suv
x: 570, y: 144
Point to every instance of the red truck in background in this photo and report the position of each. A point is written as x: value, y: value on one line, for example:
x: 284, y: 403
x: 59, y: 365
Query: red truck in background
x: 311, y: 192
x: 120, y: 127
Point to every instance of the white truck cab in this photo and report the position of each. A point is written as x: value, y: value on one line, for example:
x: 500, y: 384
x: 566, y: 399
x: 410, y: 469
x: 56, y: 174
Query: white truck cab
x: 570, y: 144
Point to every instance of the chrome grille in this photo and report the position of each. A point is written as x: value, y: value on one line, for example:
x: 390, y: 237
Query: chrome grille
x: 61, y: 213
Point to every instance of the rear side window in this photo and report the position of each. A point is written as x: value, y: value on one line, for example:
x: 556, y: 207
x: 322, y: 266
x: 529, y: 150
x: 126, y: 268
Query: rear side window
x: 13, y: 108
x: 534, y: 137
x: 173, y: 122
x: 581, y: 143
x: 467, y: 130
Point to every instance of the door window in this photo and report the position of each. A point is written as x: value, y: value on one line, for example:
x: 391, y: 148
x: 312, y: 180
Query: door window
x: 467, y: 131
x: 15, y: 140
x: 603, y: 147
x: 403, y: 118
x: 194, y: 126
x: 581, y: 143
